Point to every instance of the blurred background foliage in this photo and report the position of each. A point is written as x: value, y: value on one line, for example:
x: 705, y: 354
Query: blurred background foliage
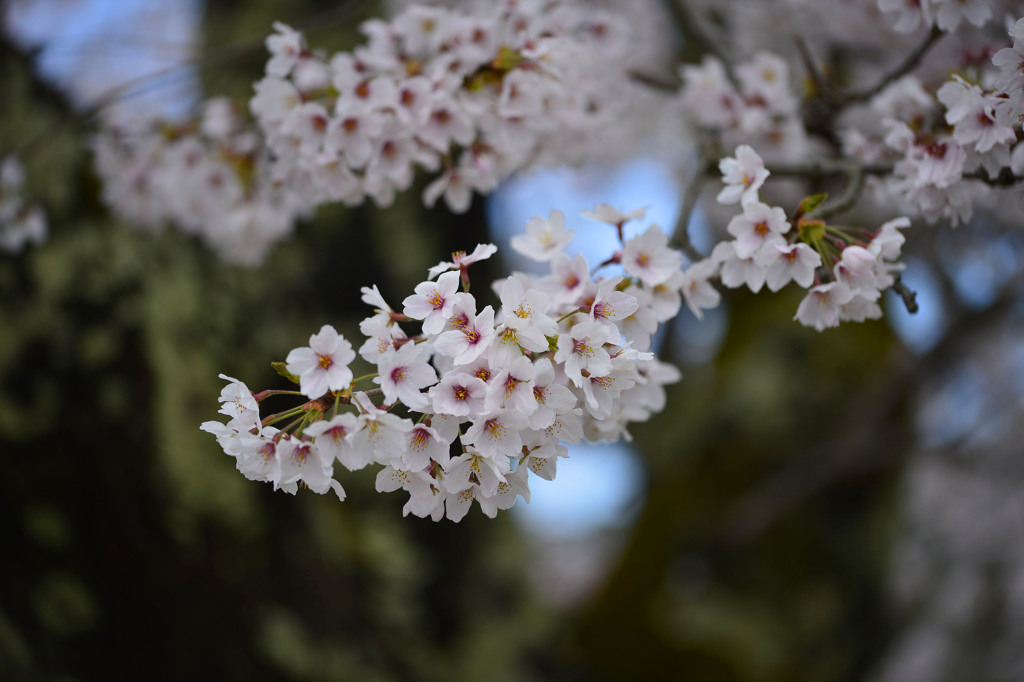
x: 763, y: 546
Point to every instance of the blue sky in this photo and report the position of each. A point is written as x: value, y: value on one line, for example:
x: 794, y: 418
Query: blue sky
x: 92, y: 46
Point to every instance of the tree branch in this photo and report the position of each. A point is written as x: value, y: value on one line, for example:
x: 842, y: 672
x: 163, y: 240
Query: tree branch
x: 681, y: 233
x: 908, y: 65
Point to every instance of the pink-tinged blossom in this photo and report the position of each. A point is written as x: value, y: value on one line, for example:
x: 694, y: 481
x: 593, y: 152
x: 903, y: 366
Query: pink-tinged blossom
x: 323, y: 365
x: 257, y: 457
x: 457, y: 504
x: 306, y: 125
x: 972, y: 114
x: 238, y: 403
x: 820, y: 307
x: 544, y: 238
x: 948, y: 13
x: 446, y: 426
x: 610, y: 305
x: 508, y: 491
x: 508, y: 345
x: 736, y: 271
x: 380, y: 338
x: 640, y: 326
x: 512, y: 388
x: 759, y: 226
x: 425, y: 445
x: 908, y: 14
x: 543, y: 457
x: 456, y: 184
x: 477, y: 469
x: 708, y: 95
x: 785, y: 263
x: 460, y: 261
x: 230, y: 439
x: 402, y: 373
x: 463, y: 310
x: 939, y: 163
x: 425, y: 498
x: 379, y: 435
x: 458, y: 394
x: 601, y: 391
x: 352, y: 132
x: 567, y: 426
x: 764, y: 80
x: 522, y: 94
x: 567, y: 279
x: 649, y: 258
x: 859, y: 308
x: 666, y: 297
x: 447, y: 122
x: 333, y: 436
x: 433, y: 302
x: 696, y: 287
x: 582, y: 348
x: 496, y: 435
x: 605, y: 213
x: 467, y: 344
x: 371, y: 296
x: 414, y: 101
x: 301, y: 461
x: 273, y: 100
x: 551, y: 396
x: 1011, y: 72
x: 422, y: 29
x: 378, y: 93
x: 648, y: 395
x: 526, y: 310
x: 743, y: 176
x: 857, y: 268
x: 888, y: 243
x: 286, y: 48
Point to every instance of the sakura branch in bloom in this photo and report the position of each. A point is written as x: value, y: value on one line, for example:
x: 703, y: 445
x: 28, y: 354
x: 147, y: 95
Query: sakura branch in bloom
x: 844, y: 268
x: 476, y: 400
x: 470, y: 96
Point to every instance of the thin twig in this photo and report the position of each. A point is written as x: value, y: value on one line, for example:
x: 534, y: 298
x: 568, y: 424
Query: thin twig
x: 845, y: 201
x: 908, y: 295
x: 681, y: 234
x: 817, y: 80
x: 1005, y: 178
x: 656, y: 82
x: 822, y: 167
x: 908, y: 65
x: 695, y: 40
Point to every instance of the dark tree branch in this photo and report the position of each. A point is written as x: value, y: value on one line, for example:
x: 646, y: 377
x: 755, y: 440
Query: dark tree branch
x: 681, y: 234
x: 908, y: 65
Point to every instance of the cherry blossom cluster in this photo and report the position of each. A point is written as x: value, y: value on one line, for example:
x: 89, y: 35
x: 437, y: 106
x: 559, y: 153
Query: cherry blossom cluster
x: 950, y: 147
x: 845, y: 269
x: 21, y: 221
x: 469, y: 400
x: 208, y: 176
x: 906, y: 16
x: 757, y: 106
x: 470, y: 96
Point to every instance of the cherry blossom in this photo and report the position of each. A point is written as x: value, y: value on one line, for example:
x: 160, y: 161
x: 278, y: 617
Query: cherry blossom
x: 324, y: 364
